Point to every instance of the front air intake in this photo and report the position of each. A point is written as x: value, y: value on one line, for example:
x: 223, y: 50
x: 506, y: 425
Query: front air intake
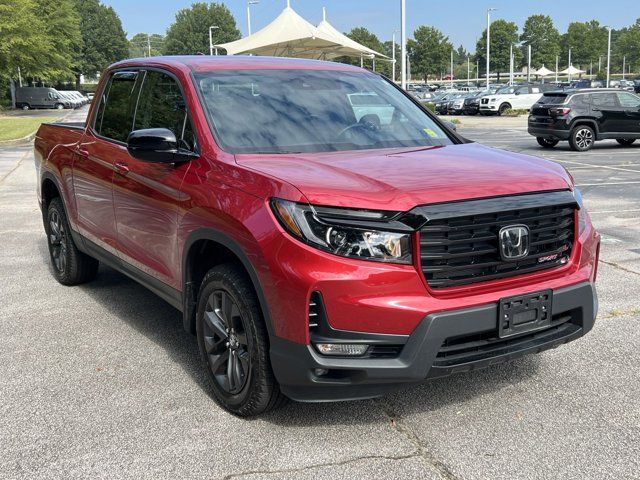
x: 315, y: 309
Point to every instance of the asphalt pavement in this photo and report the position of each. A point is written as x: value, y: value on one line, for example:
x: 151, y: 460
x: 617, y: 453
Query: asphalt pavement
x: 101, y: 380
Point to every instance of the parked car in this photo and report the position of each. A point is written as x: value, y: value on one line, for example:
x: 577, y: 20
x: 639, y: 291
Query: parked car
x: 455, y: 106
x: 70, y: 100
x: 90, y: 96
x: 584, y: 117
x: 40, y: 97
x: 315, y: 256
x: 471, y: 104
x: 516, y: 97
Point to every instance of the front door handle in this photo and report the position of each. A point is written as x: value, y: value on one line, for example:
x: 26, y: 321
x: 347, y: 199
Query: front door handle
x: 82, y: 152
x: 121, y: 168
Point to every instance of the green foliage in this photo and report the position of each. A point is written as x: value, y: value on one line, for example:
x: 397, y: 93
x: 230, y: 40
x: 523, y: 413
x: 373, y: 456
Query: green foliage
x: 544, y: 38
x: 515, y: 112
x: 140, y: 43
x: 104, y: 39
x: 368, y: 39
x: 587, y: 41
x: 429, y: 52
x: 503, y: 35
x: 24, y: 41
x: 387, y: 49
x: 189, y: 33
x: 627, y: 44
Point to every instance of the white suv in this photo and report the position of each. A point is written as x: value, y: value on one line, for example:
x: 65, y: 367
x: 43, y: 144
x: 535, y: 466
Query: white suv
x: 516, y: 97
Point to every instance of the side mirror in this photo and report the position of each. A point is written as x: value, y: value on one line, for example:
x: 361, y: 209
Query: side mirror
x: 158, y: 145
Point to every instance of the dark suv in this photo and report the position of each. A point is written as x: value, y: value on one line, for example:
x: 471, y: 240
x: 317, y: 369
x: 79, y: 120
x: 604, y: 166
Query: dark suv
x: 585, y: 116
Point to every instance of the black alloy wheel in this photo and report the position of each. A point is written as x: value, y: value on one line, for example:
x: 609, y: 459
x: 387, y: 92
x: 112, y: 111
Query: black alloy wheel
x: 226, y: 343
x: 58, y: 241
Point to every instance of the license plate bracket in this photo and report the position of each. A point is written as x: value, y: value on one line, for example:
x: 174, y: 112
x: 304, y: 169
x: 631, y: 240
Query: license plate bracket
x: 524, y: 313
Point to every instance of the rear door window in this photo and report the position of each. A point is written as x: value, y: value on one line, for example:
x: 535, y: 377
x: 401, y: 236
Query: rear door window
x: 161, y: 105
x: 114, y: 119
x: 582, y: 100
x: 605, y: 100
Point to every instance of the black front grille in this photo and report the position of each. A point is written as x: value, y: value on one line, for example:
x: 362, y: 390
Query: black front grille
x: 484, y: 101
x: 462, y: 250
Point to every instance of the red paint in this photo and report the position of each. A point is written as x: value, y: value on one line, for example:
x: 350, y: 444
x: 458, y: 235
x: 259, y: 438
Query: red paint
x: 145, y: 212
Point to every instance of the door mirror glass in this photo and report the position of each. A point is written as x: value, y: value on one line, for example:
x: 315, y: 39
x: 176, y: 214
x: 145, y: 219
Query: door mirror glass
x: 157, y: 145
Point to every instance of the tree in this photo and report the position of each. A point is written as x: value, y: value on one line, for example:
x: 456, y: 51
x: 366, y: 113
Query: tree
x: 429, y: 52
x: 189, y: 33
x: 544, y: 38
x: 587, y: 41
x: 61, y: 26
x: 387, y: 49
x: 503, y: 35
x: 104, y: 40
x: 140, y: 44
x: 627, y: 44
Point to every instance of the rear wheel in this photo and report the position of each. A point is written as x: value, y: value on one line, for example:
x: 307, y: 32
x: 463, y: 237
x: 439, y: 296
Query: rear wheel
x: 234, y: 343
x: 59, y: 106
x: 26, y: 106
x: 625, y: 142
x: 546, y: 142
x: 70, y: 265
x: 582, y: 138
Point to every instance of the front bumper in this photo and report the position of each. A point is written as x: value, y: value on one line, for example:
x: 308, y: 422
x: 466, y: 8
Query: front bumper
x: 489, y: 107
x: 427, y: 351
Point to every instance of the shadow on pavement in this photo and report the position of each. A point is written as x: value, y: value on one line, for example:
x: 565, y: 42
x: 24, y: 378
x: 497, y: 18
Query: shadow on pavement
x: 161, y: 323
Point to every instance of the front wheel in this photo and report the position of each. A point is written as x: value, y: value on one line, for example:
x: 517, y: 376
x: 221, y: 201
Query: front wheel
x: 625, y: 142
x: 582, y: 138
x: 70, y: 265
x: 234, y: 343
x: 546, y: 142
x: 59, y: 106
x: 503, y: 108
x: 25, y: 107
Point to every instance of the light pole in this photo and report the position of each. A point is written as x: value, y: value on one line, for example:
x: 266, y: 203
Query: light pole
x: 489, y: 10
x: 249, y: 3
x: 211, y: 28
x: 393, y: 56
x: 528, y: 63
x: 557, y: 68
x: 569, y: 67
x: 451, y: 79
x: 468, y: 71
x: 624, y: 65
x: 477, y: 73
x: 608, y: 57
x: 403, y: 46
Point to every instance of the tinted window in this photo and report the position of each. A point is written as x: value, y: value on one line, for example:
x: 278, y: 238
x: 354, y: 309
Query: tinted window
x: 602, y: 100
x: 581, y: 101
x: 115, y: 114
x: 553, y: 99
x: 628, y: 100
x: 281, y: 111
x: 161, y: 105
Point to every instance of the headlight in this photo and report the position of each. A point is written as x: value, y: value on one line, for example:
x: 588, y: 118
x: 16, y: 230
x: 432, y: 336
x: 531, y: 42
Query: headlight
x: 582, y: 212
x: 492, y: 100
x: 303, y: 222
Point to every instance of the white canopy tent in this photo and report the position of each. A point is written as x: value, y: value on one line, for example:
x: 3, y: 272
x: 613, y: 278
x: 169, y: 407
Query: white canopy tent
x: 543, y: 72
x: 572, y: 71
x: 290, y: 35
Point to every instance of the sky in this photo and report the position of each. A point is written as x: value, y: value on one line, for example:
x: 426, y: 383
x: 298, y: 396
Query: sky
x: 461, y: 20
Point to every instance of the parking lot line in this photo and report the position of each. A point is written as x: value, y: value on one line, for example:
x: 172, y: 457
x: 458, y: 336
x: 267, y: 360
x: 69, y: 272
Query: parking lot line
x: 608, y: 167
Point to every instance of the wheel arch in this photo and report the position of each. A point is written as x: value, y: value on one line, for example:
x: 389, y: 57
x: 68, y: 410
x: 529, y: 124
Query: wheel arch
x: 588, y: 122
x: 216, y: 248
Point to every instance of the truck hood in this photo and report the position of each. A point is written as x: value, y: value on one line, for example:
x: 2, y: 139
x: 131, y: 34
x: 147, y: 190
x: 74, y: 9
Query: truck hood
x: 399, y: 180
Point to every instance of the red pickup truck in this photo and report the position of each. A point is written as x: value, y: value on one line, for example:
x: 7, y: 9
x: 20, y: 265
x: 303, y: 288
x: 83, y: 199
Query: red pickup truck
x: 324, y: 235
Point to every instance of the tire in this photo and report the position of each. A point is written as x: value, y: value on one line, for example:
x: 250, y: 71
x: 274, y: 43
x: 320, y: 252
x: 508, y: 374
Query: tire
x: 26, y: 106
x: 547, y: 142
x: 503, y: 108
x: 625, y: 142
x: 582, y: 138
x: 70, y: 265
x: 59, y: 106
x: 234, y: 343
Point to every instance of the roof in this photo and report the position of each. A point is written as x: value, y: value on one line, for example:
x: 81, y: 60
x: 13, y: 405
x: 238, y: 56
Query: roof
x: 203, y: 63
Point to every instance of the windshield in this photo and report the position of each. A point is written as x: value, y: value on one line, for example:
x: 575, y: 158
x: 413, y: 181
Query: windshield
x: 286, y: 111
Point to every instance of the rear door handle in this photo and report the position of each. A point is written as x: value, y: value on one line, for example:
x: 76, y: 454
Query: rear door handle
x: 82, y: 152
x: 121, y: 168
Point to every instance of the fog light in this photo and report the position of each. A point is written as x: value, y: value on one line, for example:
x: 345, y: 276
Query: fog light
x: 342, y: 349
